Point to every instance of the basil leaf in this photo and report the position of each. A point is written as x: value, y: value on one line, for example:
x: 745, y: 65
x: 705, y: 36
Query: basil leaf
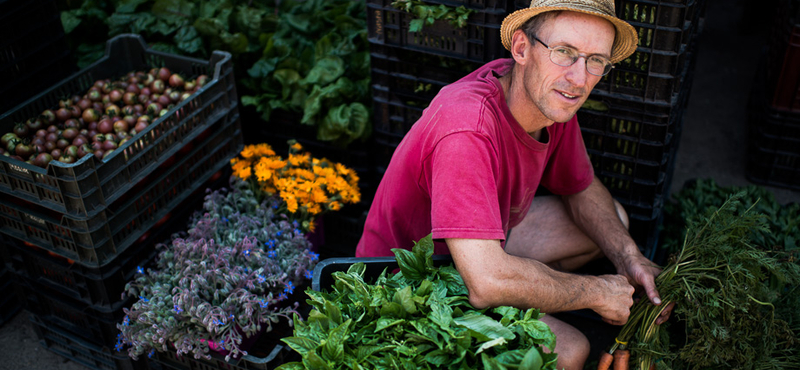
x: 483, y: 327
x: 301, y: 345
x: 533, y: 360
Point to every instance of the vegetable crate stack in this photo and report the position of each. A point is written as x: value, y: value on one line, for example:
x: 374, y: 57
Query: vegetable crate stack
x: 99, y: 168
x: 630, y: 124
x: 774, y: 116
x: 33, y: 50
x: 9, y: 302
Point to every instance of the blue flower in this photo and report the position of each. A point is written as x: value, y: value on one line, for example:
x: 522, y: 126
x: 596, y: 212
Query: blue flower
x: 261, y: 279
x: 314, y: 256
x: 126, y: 321
x: 224, y: 219
x: 263, y: 303
x: 152, y: 352
x: 295, y: 223
x: 118, y: 345
x: 279, y: 233
x: 178, y: 309
x: 144, y: 299
x: 246, y: 252
x: 282, y: 296
x: 270, y: 243
x: 139, y: 269
x: 298, y: 232
x: 289, y: 288
x: 271, y: 254
x: 309, y: 274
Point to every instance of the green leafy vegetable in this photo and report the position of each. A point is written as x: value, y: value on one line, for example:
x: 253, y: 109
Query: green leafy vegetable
x: 738, y: 301
x: 419, y: 318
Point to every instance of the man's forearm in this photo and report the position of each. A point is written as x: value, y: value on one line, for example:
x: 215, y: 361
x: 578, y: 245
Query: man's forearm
x: 594, y: 212
x: 495, y: 278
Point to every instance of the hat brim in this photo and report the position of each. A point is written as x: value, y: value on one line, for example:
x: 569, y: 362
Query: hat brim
x: 625, y: 41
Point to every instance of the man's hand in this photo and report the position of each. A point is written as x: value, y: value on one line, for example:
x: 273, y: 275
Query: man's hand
x: 618, y: 299
x: 641, y: 272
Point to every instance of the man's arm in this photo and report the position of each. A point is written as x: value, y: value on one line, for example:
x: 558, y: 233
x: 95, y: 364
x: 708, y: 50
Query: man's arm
x: 594, y: 212
x: 495, y: 278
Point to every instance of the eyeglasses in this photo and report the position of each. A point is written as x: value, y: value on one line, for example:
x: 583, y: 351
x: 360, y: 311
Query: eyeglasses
x: 565, y: 56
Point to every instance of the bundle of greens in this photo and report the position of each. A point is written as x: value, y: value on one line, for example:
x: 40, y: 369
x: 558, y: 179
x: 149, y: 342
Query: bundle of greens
x: 419, y: 318
x: 738, y: 302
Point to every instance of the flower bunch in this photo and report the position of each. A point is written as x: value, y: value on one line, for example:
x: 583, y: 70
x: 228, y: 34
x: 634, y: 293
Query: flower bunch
x: 227, y: 279
x: 308, y: 186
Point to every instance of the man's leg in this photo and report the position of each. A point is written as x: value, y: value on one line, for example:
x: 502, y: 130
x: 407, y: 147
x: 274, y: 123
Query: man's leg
x: 572, y: 346
x: 548, y: 234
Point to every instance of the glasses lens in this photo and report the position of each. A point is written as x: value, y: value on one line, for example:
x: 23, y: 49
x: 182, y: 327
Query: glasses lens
x: 598, y: 66
x: 563, y: 56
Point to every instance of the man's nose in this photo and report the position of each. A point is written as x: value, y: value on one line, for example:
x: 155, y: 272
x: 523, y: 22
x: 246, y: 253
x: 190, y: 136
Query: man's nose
x: 577, y: 73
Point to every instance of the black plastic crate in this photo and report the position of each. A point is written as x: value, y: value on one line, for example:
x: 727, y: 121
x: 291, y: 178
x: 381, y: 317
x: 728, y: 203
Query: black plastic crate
x: 89, y: 185
x: 10, y: 304
x: 479, y: 41
x: 65, y: 344
x: 774, y: 146
x: 33, y: 50
x: 414, y: 72
x: 97, y: 241
x: 323, y: 272
x: 343, y: 230
x: 101, y: 286
x: 92, y: 323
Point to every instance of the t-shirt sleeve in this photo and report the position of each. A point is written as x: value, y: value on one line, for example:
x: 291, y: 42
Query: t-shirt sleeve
x: 569, y: 169
x: 463, y: 182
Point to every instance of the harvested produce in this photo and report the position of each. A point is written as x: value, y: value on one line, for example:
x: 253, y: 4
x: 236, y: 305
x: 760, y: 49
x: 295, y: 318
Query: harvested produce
x: 419, y: 318
x: 100, y: 121
x: 737, y: 301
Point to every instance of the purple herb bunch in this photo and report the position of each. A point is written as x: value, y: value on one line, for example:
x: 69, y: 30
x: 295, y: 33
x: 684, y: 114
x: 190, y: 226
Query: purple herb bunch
x: 229, y: 277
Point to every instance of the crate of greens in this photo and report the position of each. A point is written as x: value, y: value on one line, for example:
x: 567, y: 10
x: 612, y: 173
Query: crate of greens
x: 86, y: 141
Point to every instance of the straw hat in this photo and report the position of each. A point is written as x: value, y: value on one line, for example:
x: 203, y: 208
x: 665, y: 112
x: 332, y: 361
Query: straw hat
x: 624, y: 43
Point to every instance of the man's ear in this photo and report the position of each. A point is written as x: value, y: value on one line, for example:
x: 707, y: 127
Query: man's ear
x: 519, y: 46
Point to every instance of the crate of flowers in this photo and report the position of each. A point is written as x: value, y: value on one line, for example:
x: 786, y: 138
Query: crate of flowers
x: 236, y: 276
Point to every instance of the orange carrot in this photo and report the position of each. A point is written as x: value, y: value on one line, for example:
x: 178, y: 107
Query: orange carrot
x: 621, y: 357
x: 605, y: 361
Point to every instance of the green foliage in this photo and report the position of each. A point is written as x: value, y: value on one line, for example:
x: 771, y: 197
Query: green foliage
x: 419, y: 318
x: 736, y: 300
x: 429, y: 14
x: 696, y: 199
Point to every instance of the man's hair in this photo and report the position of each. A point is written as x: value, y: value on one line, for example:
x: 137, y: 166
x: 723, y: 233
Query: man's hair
x: 533, y: 25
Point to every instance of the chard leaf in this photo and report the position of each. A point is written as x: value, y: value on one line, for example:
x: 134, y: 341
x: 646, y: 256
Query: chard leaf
x: 301, y: 345
x: 483, y: 327
x: 325, y: 71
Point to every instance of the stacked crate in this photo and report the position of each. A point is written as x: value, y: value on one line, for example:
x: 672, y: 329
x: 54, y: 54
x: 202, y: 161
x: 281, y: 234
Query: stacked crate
x: 774, y: 108
x: 77, y: 233
x: 632, y: 129
x: 632, y: 125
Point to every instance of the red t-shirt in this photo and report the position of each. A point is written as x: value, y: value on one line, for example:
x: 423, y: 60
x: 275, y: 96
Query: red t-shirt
x: 467, y: 169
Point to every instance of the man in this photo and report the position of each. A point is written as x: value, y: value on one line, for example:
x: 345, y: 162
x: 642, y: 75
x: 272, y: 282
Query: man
x: 467, y: 171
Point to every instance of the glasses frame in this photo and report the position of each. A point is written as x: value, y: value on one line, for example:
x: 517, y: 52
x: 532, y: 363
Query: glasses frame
x: 574, y: 60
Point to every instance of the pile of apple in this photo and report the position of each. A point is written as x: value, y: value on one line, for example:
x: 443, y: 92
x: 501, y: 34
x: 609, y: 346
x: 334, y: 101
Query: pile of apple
x: 100, y: 121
